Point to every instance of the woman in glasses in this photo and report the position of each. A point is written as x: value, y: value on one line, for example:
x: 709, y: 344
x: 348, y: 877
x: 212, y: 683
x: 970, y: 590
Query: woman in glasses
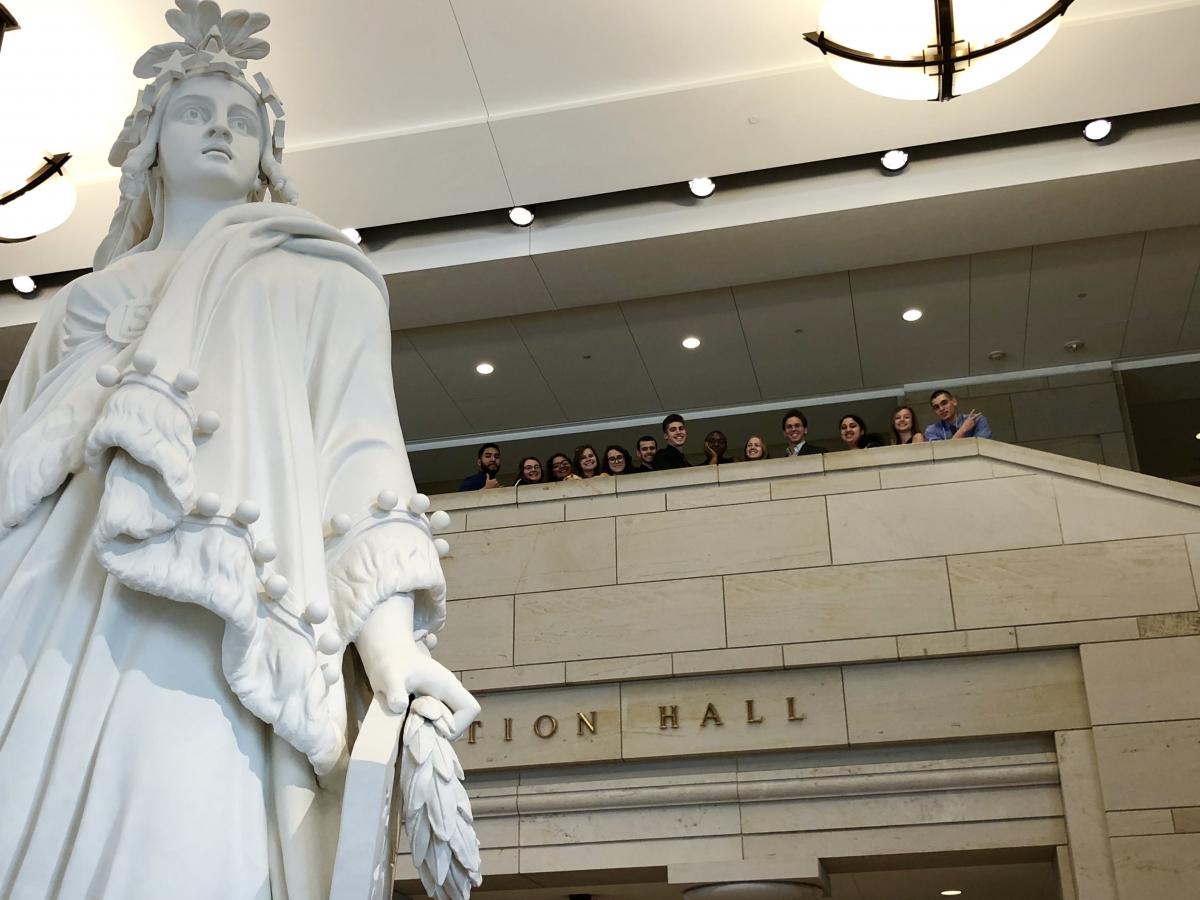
x: 531, y: 471
x: 561, y: 468
x: 617, y: 460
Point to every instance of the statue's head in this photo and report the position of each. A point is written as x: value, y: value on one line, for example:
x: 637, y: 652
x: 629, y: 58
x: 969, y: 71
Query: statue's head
x: 200, y: 128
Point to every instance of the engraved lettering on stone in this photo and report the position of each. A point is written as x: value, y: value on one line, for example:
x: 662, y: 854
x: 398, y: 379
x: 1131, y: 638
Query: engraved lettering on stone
x: 586, y: 721
x: 664, y: 717
x: 545, y: 726
x: 711, y: 715
x: 793, y: 716
x: 751, y: 719
x: 508, y: 729
x: 471, y: 729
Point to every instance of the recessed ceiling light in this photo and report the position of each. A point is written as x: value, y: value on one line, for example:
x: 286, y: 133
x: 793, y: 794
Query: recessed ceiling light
x: 951, y: 893
x: 24, y: 284
x: 353, y: 234
x: 1097, y: 130
x: 894, y: 160
x: 997, y: 355
x: 911, y: 315
x: 485, y: 368
x: 690, y: 343
x: 701, y: 187
x: 521, y: 216
x: 1198, y: 435
x: 1073, y: 346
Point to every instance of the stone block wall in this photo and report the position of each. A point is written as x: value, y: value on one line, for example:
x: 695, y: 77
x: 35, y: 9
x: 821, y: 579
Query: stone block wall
x: 667, y: 635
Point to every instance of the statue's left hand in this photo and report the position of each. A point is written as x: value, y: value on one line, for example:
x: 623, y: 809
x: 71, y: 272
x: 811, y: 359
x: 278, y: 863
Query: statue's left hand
x: 399, y: 668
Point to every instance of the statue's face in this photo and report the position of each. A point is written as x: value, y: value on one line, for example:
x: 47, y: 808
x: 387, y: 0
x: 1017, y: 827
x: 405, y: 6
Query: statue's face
x: 211, y: 139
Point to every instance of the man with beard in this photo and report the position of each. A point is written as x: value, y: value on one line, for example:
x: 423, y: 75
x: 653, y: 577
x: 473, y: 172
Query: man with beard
x: 488, y: 461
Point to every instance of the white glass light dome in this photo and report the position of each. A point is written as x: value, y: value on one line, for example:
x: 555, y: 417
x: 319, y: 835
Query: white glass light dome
x: 908, y: 30
x: 39, y: 209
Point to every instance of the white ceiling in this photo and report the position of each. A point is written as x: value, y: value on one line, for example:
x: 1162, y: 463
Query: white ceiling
x: 417, y: 116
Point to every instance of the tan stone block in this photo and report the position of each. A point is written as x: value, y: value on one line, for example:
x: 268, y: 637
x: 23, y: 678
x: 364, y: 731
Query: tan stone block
x: 817, y: 707
x: 629, y: 854
x: 832, y: 602
x: 566, y: 490
x: 825, y: 653
x: 1098, y: 512
x: 1057, y: 584
x: 967, y: 468
x: 786, y: 534
x: 642, y: 823
x: 621, y: 620
x: 666, y: 479
x: 1147, y: 484
x: 1169, y: 625
x: 618, y: 505
x: 1193, y: 545
x: 721, y: 495
x: 621, y: 668
x: 561, y: 737
x: 878, y: 456
x: 1066, y: 878
x: 1072, y: 634
x: 786, y: 467
x: 1083, y: 806
x: 1140, y: 821
x: 934, y: 838
x: 1143, y: 681
x: 1013, y: 693
x: 514, y: 677
x: 1165, y: 867
x: 1040, y: 460
x: 1005, y: 469
x: 741, y: 659
x: 845, y: 482
x: 900, y: 810
x: 1186, y: 819
x: 531, y: 558
x: 957, y: 643
x: 1149, y: 765
x: 478, y: 634
x: 967, y: 517
x: 511, y: 516
x: 473, y: 499
x: 955, y: 449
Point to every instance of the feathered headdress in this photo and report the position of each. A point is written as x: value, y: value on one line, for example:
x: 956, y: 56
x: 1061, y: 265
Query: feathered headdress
x: 212, y: 42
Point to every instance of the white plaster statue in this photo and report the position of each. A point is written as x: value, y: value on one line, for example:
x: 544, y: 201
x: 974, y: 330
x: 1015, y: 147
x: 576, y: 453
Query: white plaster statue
x: 204, y: 498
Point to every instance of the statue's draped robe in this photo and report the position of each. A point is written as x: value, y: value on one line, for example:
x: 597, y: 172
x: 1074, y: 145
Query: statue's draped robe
x: 163, y: 721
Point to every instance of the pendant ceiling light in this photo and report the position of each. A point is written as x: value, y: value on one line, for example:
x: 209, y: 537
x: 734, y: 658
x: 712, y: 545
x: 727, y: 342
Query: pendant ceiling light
x: 933, y: 49
x: 30, y: 204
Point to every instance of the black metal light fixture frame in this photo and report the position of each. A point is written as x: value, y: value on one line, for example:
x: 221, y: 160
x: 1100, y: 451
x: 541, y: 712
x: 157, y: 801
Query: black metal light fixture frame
x: 51, y: 166
x: 943, y: 57
x: 7, y: 23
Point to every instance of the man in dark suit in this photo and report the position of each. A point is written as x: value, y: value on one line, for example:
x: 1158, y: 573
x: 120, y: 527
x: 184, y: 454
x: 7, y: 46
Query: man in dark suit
x: 795, y: 431
x: 647, y: 447
x: 671, y: 456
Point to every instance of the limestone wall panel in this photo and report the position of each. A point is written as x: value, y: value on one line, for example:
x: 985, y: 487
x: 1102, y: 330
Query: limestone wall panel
x: 592, y: 623
x: 935, y: 520
x: 1094, y: 512
x: 1150, y: 765
x: 981, y: 695
x: 1164, y: 867
x: 478, y: 634
x: 716, y: 541
x: 836, y: 602
x: 1057, y: 584
x: 1143, y: 681
x: 531, y: 558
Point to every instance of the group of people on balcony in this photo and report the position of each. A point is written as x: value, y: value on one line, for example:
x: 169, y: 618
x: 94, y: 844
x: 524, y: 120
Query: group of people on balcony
x: 649, y: 456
